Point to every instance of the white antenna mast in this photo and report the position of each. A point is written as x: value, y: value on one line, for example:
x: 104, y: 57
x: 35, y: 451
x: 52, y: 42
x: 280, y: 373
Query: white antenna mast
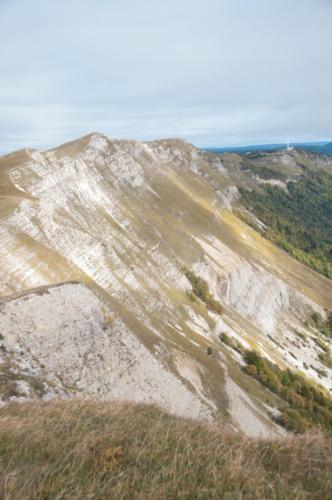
x: 289, y: 147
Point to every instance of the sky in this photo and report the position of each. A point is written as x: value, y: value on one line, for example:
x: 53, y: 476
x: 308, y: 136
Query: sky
x: 213, y: 72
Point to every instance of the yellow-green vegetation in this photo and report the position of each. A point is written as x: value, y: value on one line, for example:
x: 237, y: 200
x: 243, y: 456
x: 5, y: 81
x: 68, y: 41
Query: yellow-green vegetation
x: 326, y: 358
x: 252, y: 246
x: 308, y: 406
x: 200, y: 289
x: 325, y: 327
x: 234, y: 344
x: 96, y: 450
x: 299, y: 220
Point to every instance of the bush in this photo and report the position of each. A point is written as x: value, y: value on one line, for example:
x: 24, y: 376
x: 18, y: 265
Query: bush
x: 326, y: 327
x: 200, y: 289
x: 301, y: 395
x: 326, y: 359
x: 234, y: 344
x: 251, y: 370
x: 316, y: 318
x: 293, y: 421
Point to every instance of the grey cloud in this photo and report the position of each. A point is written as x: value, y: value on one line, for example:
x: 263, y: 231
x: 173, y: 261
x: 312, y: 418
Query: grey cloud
x: 215, y: 72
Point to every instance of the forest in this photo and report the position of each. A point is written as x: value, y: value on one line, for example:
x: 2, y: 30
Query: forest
x: 298, y: 219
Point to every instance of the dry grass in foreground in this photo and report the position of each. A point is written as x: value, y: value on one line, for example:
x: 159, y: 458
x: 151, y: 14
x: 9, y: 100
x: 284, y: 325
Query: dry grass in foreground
x: 93, y: 450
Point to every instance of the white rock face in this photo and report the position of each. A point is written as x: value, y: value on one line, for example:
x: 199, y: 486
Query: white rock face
x: 65, y: 336
x: 245, y: 413
x: 277, y: 309
x: 125, y: 218
x: 246, y: 287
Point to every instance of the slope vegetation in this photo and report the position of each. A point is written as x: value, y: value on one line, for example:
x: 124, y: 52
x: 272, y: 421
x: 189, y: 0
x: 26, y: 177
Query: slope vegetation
x: 298, y: 219
x: 93, y: 450
x: 142, y: 229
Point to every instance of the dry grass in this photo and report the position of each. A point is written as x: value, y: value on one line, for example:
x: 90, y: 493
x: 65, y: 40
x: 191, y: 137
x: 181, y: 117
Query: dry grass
x: 94, y: 450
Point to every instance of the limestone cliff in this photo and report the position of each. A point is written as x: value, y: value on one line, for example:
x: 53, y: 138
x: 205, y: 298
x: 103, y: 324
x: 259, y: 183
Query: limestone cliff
x: 116, y: 223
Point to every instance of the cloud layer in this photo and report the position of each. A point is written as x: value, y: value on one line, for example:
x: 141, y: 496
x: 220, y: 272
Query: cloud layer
x: 215, y: 72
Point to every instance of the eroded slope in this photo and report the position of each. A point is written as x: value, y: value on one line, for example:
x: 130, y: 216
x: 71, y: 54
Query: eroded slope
x: 125, y: 218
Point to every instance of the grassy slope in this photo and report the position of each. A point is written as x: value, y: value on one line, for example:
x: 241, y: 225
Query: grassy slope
x: 94, y: 450
x: 254, y: 247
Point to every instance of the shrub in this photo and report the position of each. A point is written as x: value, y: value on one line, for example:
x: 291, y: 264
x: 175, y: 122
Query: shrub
x: 326, y: 328
x: 200, y: 289
x: 309, y: 403
x: 251, y: 370
x: 316, y: 318
x: 294, y: 421
x: 321, y: 344
x: 325, y: 358
x: 321, y: 372
x: 234, y: 344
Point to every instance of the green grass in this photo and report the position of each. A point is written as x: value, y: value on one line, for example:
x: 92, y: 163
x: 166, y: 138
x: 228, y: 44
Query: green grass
x: 85, y: 449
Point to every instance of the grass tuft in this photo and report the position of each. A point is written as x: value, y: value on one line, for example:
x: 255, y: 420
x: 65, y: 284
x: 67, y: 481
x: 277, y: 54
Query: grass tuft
x: 85, y: 449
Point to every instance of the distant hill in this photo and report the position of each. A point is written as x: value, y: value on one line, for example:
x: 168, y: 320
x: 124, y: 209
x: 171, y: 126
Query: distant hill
x: 327, y: 149
x: 316, y: 147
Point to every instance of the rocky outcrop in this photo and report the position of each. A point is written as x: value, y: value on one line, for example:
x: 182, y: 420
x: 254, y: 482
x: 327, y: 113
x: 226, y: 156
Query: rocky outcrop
x: 124, y: 219
x: 64, y: 337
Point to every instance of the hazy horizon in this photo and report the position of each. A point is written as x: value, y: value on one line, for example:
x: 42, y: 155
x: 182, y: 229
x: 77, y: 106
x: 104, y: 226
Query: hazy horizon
x: 210, y: 147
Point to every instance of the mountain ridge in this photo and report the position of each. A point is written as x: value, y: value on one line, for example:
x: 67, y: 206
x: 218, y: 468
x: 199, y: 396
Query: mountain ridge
x: 125, y: 218
x: 319, y: 147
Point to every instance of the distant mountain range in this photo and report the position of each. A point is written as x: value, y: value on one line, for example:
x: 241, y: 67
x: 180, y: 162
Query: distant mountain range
x: 324, y: 148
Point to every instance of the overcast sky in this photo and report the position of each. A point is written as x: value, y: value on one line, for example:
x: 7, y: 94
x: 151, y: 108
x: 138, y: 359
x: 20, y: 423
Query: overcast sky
x: 215, y: 72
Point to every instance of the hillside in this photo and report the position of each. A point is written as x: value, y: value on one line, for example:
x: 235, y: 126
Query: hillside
x: 123, y: 265
x: 94, y: 450
x: 294, y: 205
x: 328, y: 149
